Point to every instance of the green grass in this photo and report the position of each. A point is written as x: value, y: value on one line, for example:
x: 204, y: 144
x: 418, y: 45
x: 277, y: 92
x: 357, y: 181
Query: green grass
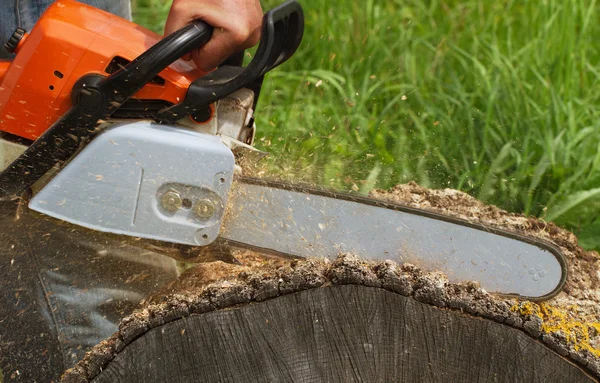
x: 499, y: 99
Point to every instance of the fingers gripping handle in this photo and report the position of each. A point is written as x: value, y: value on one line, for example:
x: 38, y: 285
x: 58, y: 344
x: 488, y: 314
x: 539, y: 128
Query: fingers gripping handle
x: 281, y: 34
x: 282, y: 31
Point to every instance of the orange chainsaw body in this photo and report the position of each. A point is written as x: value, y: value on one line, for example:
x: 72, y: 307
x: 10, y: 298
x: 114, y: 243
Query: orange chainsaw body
x: 69, y: 41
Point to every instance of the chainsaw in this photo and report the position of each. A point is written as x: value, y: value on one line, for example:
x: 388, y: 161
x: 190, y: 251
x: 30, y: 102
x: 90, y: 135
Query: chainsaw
x: 104, y: 127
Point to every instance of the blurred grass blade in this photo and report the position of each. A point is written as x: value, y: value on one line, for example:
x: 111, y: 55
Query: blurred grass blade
x: 571, y: 202
x: 589, y: 237
x: 371, y: 180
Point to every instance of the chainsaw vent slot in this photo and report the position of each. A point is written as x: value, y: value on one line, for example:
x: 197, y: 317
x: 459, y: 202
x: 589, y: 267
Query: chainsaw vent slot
x: 119, y: 62
x: 140, y: 109
x: 58, y: 74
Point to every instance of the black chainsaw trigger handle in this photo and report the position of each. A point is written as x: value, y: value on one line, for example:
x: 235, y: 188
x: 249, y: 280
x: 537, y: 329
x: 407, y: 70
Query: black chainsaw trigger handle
x: 145, y: 67
x: 124, y: 83
x: 281, y: 34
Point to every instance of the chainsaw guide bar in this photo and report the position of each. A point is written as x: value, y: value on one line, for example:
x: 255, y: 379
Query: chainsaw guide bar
x: 301, y: 221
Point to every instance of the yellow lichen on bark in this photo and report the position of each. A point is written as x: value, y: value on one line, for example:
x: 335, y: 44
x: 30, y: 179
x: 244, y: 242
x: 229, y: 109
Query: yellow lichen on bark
x: 577, y: 331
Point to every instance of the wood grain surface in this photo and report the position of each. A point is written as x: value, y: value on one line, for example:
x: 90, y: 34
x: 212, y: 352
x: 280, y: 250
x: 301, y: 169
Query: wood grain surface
x: 338, y: 334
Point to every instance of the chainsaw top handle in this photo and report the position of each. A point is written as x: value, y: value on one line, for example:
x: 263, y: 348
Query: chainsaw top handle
x: 282, y: 31
x: 96, y: 97
x: 117, y: 88
x: 281, y: 34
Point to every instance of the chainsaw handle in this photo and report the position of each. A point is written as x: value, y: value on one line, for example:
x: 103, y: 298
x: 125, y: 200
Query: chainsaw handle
x: 282, y: 31
x: 103, y: 95
x: 127, y: 81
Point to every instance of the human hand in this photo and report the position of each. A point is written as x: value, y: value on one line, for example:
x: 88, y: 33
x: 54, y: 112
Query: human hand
x: 236, y: 26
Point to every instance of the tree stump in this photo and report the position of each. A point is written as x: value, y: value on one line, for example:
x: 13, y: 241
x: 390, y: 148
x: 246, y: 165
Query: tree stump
x: 347, y: 321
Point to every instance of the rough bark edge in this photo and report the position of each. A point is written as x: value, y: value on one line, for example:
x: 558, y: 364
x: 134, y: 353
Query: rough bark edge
x: 407, y: 280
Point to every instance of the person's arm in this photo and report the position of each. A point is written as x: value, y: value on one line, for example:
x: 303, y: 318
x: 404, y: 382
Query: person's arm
x: 236, y: 26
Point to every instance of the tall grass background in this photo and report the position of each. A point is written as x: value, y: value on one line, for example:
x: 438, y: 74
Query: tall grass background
x: 499, y: 99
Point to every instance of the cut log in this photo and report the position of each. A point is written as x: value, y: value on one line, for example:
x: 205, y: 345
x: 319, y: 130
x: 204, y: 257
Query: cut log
x: 341, y: 334
x: 347, y: 321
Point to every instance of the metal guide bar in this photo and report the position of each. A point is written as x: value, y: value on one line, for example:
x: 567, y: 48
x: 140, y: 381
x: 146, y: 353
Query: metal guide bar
x: 302, y: 221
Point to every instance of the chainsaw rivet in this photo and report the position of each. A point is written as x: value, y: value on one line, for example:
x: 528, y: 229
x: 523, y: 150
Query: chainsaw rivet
x: 204, y: 208
x: 171, y: 201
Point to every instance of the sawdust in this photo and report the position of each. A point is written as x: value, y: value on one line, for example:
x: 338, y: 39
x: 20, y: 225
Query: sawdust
x: 569, y: 323
x: 202, y: 275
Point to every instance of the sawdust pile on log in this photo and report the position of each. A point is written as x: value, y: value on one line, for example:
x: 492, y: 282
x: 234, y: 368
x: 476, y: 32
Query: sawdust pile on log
x: 569, y: 323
